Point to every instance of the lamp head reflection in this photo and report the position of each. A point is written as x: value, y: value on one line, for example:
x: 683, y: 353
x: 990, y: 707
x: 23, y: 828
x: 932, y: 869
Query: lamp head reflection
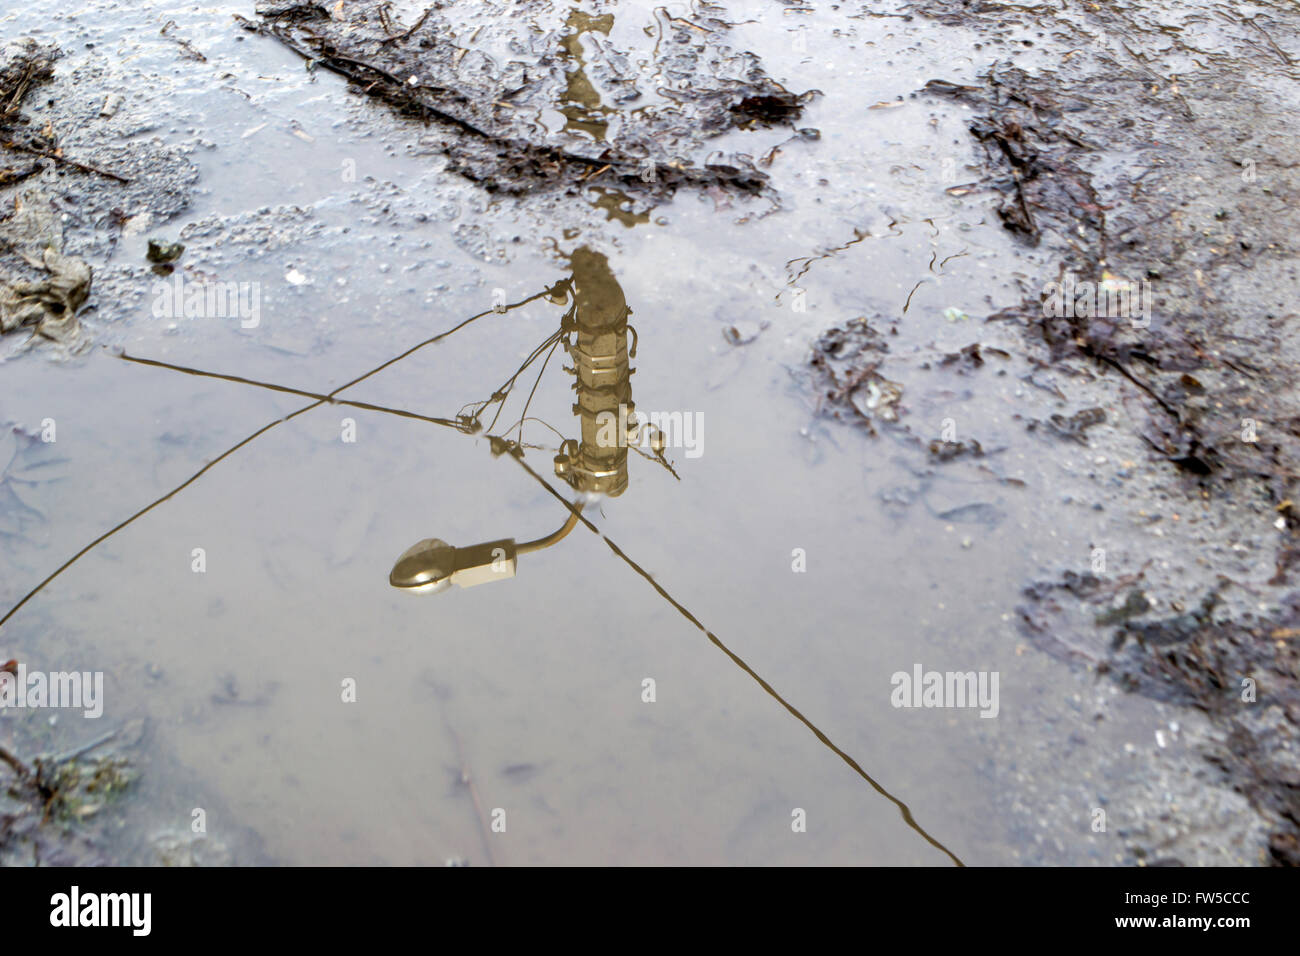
x: 432, y: 565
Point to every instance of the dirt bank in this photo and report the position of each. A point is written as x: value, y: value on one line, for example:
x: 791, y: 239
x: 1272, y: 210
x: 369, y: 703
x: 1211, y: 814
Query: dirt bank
x: 1151, y: 145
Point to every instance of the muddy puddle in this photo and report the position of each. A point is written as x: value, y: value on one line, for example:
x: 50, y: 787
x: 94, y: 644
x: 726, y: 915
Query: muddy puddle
x: 681, y: 645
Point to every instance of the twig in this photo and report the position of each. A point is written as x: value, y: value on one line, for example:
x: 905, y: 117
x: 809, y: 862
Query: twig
x: 1276, y: 49
x: 19, y: 92
x: 190, y: 50
x: 1149, y: 222
x: 84, y: 167
x: 13, y: 174
x: 407, y: 35
x: 81, y: 751
x: 18, y: 767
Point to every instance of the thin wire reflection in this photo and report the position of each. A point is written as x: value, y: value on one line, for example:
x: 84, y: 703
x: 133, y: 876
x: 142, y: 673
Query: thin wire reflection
x: 468, y: 422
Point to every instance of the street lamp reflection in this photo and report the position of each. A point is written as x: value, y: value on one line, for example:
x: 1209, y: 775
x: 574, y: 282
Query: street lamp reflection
x: 594, y: 332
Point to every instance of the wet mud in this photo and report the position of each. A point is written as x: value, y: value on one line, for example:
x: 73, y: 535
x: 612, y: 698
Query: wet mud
x: 77, y: 173
x: 1155, y: 150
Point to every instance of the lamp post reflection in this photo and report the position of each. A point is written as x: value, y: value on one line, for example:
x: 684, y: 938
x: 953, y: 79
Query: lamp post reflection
x: 594, y: 331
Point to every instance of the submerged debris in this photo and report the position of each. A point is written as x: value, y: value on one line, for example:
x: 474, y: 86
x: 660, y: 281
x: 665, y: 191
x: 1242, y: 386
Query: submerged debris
x: 50, y: 801
x: 1135, y: 604
x: 23, y: 64
x: 971, y: 357
x: 979, y: 512
x: 1032, y: 156
x: 40, y: 287
x: 184, y: 848
x: 1153, y: 279
x: 160, y: 251
x: 845, y: 366
x: 49, y: 304
x: 948, y: 450
x: 492, y: 110
x: 1072, y: 427
x: 743, y: 332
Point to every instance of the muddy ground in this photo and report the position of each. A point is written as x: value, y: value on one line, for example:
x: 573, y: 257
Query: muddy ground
x: 1158, y: 149
x: 1134, y: 142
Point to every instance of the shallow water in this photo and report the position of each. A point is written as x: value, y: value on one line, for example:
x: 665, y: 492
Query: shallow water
x: 533, y: 687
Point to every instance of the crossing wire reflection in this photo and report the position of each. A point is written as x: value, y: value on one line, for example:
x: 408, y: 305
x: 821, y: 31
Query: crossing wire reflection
x: 587, y: 466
